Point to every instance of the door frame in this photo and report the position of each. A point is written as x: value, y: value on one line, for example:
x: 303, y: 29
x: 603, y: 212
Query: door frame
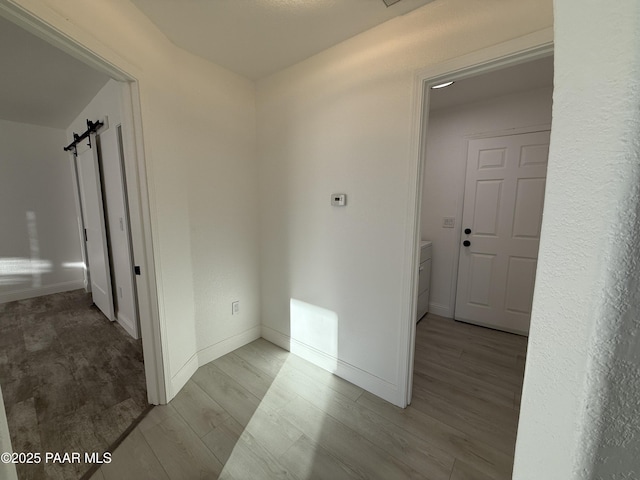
x: 137, y: 190
x: 524, y: 49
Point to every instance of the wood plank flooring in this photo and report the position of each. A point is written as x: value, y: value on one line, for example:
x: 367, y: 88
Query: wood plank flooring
x: 262, y: 413
x: 72, y: 381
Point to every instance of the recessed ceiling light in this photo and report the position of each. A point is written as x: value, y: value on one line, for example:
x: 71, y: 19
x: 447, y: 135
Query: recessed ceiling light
x: 442, y: 85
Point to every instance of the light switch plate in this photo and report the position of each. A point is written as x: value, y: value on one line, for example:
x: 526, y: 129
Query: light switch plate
x: 448, y: 222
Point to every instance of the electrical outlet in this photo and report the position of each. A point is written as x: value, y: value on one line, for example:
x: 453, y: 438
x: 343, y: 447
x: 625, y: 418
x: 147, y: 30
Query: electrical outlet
x: 339, y: 199
x: 448, y: 222
x: 235, y: 308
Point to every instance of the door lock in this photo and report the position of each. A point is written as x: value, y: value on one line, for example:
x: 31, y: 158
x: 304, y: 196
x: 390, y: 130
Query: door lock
x: 466, y: 243
x: 467, y: 231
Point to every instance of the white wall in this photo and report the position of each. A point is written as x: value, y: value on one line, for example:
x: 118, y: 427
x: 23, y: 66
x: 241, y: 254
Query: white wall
x: 341, y: 121
x: 39, y: 245
x: 444, y: 175
x: 107, y: 106
x: 580, y: 412
x: 199, y: 131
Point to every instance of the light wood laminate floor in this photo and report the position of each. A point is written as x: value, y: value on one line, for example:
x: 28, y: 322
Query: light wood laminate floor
x: 263, y: 413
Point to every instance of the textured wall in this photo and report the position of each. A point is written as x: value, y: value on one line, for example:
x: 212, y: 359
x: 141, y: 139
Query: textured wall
x: 580, y: 416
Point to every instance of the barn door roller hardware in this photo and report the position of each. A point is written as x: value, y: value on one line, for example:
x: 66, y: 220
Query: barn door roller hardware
x: 92, y: 127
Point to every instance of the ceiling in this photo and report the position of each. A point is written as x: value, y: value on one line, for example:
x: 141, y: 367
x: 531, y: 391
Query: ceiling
x: 256, y: 38
x: 519, y: 78
x: 41, y: 84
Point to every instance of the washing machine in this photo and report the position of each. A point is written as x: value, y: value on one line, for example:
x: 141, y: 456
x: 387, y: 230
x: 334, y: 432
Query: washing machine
x: 424, y: 279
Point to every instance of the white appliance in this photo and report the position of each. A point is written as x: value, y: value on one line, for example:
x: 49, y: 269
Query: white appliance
x: 424, y: 279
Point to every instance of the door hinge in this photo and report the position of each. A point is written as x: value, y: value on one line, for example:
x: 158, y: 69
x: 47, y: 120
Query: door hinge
x: 85, y: 235
x: 136, y: 269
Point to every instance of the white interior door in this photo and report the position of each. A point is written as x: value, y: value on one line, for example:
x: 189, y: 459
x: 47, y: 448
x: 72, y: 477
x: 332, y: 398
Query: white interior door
x: 501, y: 219
x: 95, y: 229
x: 110, y: 153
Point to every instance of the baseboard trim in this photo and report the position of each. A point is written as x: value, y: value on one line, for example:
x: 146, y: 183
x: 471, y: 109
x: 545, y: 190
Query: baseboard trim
x: 40, y: 291
x: 208, y: 354
x: 183, y: 375
x: 274, y: 336
x: 371, y: 383
x: 441, y: 310
x: 228, y: 345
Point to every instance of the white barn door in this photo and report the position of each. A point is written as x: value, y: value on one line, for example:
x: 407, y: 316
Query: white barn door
x: 501, y: 219
x: 95, y: 229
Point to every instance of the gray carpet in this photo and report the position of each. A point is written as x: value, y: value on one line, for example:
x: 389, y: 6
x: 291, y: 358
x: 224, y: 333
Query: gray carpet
x: 72, y: 381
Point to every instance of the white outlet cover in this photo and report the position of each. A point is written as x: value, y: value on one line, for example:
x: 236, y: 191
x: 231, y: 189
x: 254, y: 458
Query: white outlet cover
x: 339, y: 199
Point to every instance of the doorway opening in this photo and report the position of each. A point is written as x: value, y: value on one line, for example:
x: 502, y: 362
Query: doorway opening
x: 44, y: 297
x: 495, y: 117
x: 510, y: 54
x: 136, y: 190
x: 484, y: 175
